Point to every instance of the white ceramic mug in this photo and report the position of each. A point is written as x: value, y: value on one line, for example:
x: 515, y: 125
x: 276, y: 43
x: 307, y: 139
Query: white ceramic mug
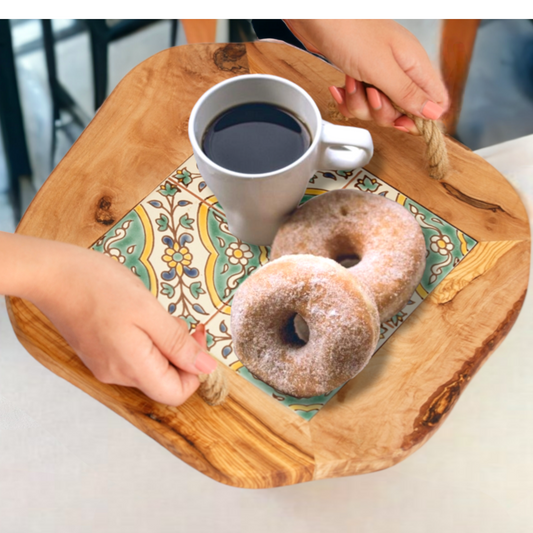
x: 257, y: 204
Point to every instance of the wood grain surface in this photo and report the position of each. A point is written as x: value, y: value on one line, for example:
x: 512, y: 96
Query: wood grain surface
x: 409, y: 387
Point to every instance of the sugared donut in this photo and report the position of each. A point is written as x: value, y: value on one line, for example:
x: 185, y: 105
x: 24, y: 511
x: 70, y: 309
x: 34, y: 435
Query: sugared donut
x: 338, y: 311
x: 381, y: 234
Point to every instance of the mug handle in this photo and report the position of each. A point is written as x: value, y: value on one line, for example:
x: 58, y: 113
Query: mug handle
x: 344, y: 147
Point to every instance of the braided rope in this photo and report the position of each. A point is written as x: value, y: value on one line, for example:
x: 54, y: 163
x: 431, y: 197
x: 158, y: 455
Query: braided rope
x: 213, y: 387
x: 436, y: 153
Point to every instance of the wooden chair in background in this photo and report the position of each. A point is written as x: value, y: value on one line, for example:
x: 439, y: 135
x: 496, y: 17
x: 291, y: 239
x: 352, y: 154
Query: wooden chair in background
x: 456, y: 47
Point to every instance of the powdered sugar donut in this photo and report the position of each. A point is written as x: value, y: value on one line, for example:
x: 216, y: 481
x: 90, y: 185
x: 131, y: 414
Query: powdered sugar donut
x: 340, y: 314
x: 380, y: 234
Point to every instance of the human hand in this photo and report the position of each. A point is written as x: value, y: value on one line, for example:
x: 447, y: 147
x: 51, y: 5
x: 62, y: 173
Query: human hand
x: 117, y: 328
x: 383, y: 63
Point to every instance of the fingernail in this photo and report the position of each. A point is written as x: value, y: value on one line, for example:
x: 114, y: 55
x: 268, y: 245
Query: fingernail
x: 337, y: 95
x: 351, y: 87
x: 205, y: 363
x: 200, y: 328
x: 432, y: 110
x: 374, y: 99
x: 401, y: 128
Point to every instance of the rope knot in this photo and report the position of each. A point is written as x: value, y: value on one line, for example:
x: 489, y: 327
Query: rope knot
x: 213, y: 387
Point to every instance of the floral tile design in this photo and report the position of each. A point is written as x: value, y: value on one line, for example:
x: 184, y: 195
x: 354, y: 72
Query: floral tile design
x: 178, y: 242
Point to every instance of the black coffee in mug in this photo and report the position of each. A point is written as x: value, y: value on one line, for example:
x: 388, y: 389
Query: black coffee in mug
x: 255, y: 138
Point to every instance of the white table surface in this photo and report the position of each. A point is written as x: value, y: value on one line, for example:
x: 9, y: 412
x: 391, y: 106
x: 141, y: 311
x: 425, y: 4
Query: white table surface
x: 70, y: 465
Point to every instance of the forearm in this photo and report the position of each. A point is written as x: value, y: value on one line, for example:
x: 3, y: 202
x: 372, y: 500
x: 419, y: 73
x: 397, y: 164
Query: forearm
x: 302, y: 29
x: 27, y: 265
x: 324, y: 37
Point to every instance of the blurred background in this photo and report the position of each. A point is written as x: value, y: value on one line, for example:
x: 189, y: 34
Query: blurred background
x: 62, y: 70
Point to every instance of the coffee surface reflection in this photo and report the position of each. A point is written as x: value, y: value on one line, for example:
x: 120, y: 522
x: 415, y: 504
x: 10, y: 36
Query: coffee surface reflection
x: 255, y: 138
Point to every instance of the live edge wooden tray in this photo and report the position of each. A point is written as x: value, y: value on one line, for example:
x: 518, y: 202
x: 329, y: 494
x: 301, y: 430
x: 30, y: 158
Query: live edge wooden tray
x: 139, y: 137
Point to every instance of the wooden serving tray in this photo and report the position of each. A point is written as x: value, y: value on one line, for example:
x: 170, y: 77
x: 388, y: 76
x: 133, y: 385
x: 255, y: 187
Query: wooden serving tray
x: 139, y: 137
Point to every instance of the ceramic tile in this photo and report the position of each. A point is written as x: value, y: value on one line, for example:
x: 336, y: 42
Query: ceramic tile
x: 219, y: 341
x: 326, y: 180
x: 178, y: 242
x: 189, y: 178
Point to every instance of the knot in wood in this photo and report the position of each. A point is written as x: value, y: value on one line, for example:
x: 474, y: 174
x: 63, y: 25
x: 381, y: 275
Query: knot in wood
x: 231, y: 58
x: 103, y: 213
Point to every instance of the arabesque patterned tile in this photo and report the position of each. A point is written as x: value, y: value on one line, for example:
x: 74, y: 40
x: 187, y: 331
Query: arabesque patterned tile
x: 219, y: 339
x: 178, y: 242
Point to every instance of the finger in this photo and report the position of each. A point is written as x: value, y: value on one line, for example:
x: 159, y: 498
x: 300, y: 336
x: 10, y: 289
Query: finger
x: 339, y: 95
x: 381, y: 109
x: 162, y: 382
x: 406, y: 125
x: 356, y: 101
x: 200, y: 336
x: 171, y: 336
x: 403, y: 91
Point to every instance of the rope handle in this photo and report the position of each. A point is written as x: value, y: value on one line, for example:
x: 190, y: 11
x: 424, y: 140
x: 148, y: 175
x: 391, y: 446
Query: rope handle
x: 436, y: 152
x: 214, y: 387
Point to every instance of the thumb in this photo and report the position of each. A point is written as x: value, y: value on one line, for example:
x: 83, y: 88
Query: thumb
x: 169, y: 386
x: 407, y: 94
x: 171, y: 336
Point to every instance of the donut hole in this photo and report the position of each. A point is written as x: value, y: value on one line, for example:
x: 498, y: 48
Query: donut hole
x: 348, y: 260
x: 344, y: 250
x: 296, y: 331
x: 344, y: 211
